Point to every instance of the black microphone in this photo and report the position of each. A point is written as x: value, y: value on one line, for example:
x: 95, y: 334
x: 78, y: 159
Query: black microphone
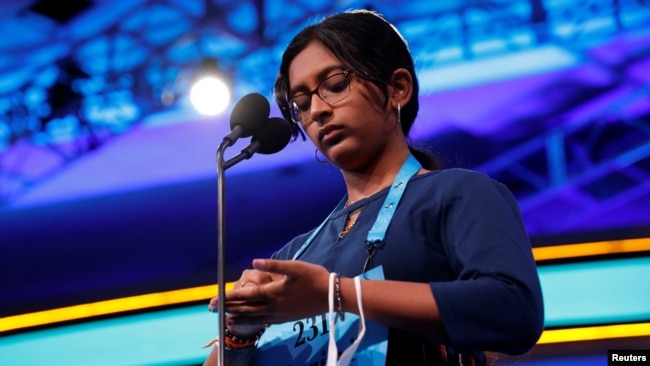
x: 274, y: 135
x: 248, y: 117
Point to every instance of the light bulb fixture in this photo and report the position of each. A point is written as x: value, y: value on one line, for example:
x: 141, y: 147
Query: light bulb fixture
x: 210, y: 93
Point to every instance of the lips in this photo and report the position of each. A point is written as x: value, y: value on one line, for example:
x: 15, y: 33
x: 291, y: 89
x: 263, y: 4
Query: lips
x: 329, y: 133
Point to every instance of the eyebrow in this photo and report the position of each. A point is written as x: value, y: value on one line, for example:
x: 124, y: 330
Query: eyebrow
x: 322, y: 75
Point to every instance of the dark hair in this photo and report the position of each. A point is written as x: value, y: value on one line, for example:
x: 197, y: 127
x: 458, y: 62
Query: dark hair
x: 371, y: 48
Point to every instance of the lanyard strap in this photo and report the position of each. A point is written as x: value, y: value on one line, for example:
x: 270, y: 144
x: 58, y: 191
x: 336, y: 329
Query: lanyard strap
x: 378, y: 231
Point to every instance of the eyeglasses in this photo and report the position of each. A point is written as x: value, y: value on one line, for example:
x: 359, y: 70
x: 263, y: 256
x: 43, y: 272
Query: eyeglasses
x: 331, y: 91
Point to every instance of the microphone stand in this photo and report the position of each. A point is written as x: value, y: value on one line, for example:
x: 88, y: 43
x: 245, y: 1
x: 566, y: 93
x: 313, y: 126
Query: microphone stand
x: 221, y: 238
x: 255, y: 145
x: 221, y: 262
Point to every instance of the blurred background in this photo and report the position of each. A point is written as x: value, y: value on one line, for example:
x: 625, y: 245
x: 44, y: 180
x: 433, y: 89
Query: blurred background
x: 108, y: 240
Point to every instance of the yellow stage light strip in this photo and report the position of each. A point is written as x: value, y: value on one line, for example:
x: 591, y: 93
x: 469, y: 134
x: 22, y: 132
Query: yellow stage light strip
x: 107, y: 307
x: 176, y: 297
x: 594, y: 333
x: 566, y: 251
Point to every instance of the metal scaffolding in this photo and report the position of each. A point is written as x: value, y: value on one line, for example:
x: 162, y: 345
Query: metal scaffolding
x: 139, y: 58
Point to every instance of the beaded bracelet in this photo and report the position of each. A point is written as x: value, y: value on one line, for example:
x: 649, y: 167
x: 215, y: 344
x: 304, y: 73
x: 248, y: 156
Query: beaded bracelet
x: 237, y: 343
x: 337, y: 289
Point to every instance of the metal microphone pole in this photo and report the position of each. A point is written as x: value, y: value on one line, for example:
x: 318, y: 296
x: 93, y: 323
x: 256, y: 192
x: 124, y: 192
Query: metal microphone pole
x: 269, y: 141
x: 221, y: 262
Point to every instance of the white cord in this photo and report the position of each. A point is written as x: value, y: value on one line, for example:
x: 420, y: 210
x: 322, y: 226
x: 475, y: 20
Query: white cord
x: 332, y: 351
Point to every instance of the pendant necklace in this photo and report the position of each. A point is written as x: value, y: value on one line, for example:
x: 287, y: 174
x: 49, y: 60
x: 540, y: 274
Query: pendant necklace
x: 350, y: 221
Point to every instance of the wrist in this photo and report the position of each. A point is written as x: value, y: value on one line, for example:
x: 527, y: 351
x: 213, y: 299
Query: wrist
x: 245, y: 330
x: 338, y: 296
x: 348, y: 299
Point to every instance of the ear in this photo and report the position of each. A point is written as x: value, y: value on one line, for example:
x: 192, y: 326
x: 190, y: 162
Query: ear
x: 401, y: 87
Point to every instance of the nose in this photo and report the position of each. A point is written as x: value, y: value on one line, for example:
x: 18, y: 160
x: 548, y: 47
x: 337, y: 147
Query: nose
x: 318, y: 108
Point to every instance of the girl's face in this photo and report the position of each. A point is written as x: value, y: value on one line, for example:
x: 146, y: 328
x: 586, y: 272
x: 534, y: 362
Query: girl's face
x: 354, y: 130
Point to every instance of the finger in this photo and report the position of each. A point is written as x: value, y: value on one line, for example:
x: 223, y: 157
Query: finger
x: 213, y: 305
x: 254, y: 276
x: 242, y: 308
x: 249, y: 293
x: 238, y: 320
x: 243, y: 284
x: 248, y: 310
x: 284, y: 267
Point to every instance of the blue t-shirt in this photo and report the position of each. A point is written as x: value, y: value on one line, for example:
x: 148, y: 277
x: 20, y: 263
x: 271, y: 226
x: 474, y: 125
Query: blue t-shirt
x: 461, y: 232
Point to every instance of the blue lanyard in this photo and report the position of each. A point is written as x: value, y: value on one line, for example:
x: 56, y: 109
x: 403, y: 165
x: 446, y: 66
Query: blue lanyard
x: 377, y: 233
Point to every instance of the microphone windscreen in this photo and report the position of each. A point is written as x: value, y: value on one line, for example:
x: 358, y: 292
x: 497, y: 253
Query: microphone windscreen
x: 250, y: 113
x: 274, y: 136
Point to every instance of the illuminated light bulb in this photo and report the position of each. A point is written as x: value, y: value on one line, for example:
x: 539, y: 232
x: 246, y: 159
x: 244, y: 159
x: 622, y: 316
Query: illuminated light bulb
x: 210, y: 96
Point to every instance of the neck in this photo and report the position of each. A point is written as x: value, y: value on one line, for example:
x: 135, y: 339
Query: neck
x: 373, y: 178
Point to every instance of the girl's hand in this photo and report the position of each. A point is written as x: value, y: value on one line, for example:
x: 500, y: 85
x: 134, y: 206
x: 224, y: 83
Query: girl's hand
x: 283, y: 290
x: 243, y: 325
